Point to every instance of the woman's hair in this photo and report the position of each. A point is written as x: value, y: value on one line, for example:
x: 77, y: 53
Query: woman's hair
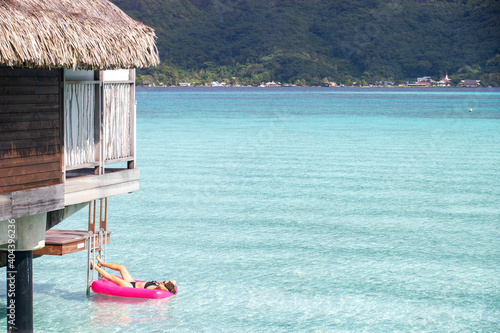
x: 170, y: 287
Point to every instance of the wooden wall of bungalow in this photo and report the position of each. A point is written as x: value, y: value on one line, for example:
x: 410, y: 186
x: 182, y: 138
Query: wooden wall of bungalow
x: 31, y: 129
x: 59, y: 125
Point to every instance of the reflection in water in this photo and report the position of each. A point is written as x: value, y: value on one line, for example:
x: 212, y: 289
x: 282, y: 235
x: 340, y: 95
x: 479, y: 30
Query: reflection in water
x: 128, y: 312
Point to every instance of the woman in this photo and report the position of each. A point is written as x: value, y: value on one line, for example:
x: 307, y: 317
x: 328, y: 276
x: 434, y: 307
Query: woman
x: 128, y: 280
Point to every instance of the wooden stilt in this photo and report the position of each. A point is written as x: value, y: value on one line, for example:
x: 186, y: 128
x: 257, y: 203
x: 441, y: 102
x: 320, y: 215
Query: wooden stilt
x: 20, y: 293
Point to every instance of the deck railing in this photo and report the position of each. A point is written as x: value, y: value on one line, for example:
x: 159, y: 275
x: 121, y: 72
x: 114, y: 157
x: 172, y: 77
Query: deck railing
x: 99, y: 124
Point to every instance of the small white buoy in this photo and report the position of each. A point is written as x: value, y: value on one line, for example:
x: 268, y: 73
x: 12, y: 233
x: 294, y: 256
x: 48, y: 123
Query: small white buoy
x: 470, y: 110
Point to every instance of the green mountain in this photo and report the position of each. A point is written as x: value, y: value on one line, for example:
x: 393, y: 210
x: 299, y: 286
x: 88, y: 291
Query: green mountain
x: 308, y: 41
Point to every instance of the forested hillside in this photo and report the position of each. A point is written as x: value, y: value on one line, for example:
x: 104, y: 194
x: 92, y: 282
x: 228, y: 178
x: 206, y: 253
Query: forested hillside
x: 308, y: 41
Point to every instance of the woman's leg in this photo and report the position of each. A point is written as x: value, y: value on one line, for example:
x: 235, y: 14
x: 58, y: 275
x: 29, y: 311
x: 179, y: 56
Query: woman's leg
x: 111, y: 277
x: 122, y: 269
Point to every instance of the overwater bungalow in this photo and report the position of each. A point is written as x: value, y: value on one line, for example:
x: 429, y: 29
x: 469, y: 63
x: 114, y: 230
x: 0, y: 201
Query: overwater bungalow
x: 67, y: 123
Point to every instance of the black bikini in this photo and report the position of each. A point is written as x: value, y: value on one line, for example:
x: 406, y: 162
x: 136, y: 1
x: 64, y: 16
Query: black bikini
x: 149, y: 283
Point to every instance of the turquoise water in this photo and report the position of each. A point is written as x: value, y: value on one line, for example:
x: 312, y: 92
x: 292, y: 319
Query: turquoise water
x: 314, y: 210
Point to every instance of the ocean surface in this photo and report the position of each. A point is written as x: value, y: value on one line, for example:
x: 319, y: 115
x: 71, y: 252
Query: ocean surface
x: 299, y: 210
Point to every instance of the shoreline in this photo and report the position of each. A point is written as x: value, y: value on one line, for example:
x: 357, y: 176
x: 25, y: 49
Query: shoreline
x: 325, y: 89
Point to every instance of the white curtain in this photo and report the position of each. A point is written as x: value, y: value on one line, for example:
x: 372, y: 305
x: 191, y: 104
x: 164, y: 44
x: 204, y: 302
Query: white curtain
x: 116, y: 120
x: 79, y: 107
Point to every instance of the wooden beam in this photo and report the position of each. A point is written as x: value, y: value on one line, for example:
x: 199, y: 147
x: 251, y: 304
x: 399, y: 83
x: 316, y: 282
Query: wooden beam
x: 20, y: 161
x: 29, y: 90
x: 88, y: 188
x: 28, y: 125
x: 102, y: 192
x: 88, y: 182
x: 29, y: 169
x: 29, y: 81
x: 26, y: 108
x: 15, y: 117
x: 28, y: 99
x: 31, y: 202
x: 32, y: 134
x: 17, y: 72
x: 25, y: 178
x: 50, y: 139
x: 132, y: 142
x: 27, y: 186
x: 34, y: 151
x: 62, y: 97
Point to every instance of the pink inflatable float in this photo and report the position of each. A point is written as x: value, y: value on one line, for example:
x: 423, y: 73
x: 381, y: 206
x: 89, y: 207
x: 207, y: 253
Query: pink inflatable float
x: 107, y: 287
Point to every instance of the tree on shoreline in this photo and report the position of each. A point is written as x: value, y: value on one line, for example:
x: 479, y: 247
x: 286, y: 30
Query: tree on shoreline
x: 295, y: 40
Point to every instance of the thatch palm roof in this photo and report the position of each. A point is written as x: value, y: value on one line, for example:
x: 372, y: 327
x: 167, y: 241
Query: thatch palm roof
x: 85, y: 34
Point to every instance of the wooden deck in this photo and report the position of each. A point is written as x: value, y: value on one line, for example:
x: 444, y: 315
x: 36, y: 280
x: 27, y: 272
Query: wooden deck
x: 82, y: 185
x: 61, y: 242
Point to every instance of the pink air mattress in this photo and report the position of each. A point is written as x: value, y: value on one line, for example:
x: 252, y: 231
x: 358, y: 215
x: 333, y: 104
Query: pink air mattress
x: 107, y: 287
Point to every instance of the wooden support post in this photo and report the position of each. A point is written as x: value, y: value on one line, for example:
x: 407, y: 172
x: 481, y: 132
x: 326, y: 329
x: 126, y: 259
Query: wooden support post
x: 92, y: 226
x: 62, y: 104
x: 103, y: 215
x: 103, y: 221
x: 132, y: 109
x: 97, y: 124
x: 20, y: 293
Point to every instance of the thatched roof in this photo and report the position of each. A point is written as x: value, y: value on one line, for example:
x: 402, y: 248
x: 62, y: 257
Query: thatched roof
x: 85, y: 34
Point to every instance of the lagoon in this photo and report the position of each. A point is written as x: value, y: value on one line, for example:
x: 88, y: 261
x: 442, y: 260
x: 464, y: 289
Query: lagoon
x: 299, y: 209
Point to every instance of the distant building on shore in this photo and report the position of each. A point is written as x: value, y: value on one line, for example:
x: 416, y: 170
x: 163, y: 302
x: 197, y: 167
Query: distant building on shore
x: 424, y: 79
x: 470, y: 83
x: 273, y: 84
x: 444, y: 82
x: 218, y: 84
x: 420, y: 84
